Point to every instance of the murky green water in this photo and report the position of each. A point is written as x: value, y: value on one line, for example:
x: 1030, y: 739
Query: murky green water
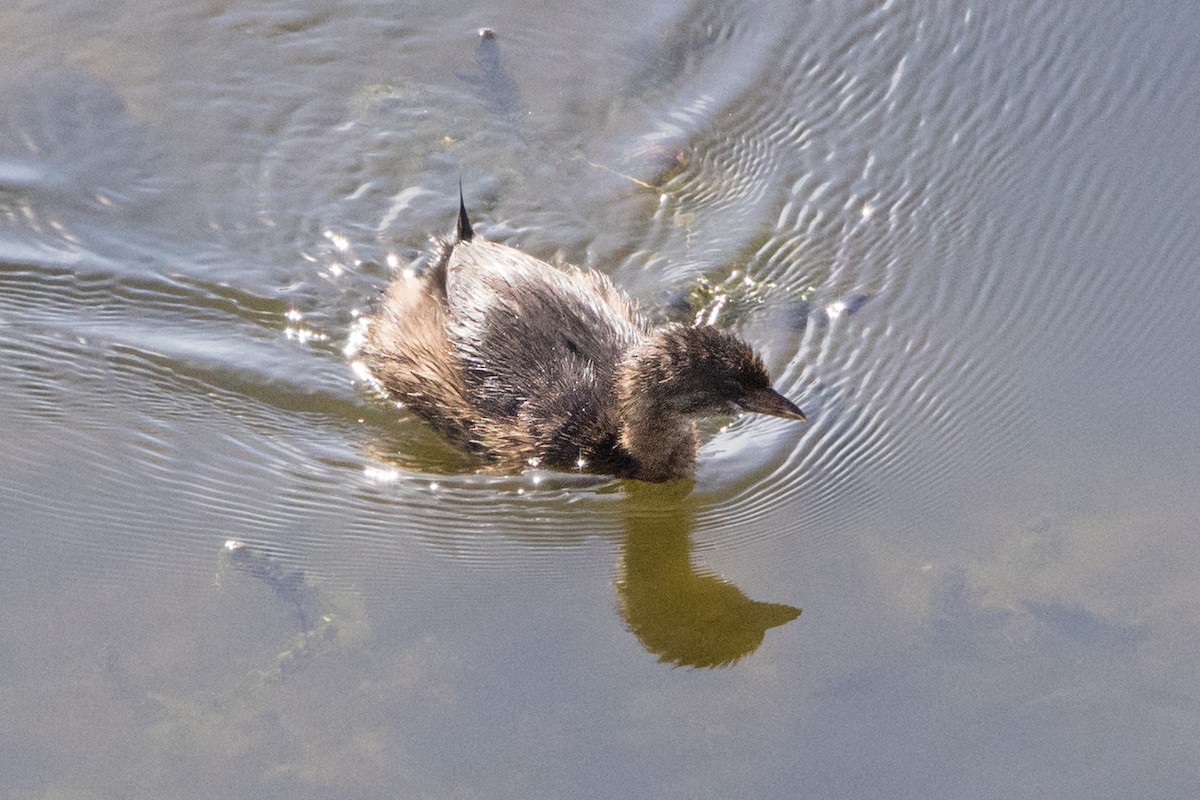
x: 963, y: 236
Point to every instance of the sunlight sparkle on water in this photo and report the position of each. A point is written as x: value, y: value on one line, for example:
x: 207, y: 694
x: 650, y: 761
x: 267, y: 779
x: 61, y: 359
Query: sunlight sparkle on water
x: 354, y: 343
x: 381, y: 475
x: 304, y: 335
x: 340, y: 242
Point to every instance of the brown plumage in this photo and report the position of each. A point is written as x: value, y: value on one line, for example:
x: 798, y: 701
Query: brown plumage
x: 530, y: 365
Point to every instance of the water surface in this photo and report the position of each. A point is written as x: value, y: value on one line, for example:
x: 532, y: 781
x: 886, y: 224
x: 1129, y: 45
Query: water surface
x: 962, y: 236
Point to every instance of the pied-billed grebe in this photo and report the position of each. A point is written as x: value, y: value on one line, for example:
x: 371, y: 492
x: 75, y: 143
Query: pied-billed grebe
x: 530, y: 365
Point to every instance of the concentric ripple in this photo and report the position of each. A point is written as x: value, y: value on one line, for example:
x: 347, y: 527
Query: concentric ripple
x: 921, y: 238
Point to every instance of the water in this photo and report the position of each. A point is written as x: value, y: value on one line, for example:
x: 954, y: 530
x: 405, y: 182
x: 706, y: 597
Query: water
x: 962, y: 236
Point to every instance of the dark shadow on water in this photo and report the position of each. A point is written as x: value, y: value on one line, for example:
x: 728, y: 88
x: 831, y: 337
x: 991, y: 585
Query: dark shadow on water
x: 683, y: 615
x: 491, y: 82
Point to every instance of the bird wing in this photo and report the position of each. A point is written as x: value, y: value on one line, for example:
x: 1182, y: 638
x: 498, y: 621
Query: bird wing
x: 525, y: 329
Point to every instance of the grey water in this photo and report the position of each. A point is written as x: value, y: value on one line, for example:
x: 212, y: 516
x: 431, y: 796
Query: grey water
x: 963, y: 235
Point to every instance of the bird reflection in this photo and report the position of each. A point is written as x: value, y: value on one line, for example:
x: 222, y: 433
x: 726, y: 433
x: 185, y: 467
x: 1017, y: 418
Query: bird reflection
x: 684, y: 616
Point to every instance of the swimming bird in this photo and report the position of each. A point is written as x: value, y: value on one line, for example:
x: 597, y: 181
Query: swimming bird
x: 529, y: 365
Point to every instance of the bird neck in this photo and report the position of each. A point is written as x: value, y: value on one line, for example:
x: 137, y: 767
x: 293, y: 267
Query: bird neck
x: 659, y: 439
